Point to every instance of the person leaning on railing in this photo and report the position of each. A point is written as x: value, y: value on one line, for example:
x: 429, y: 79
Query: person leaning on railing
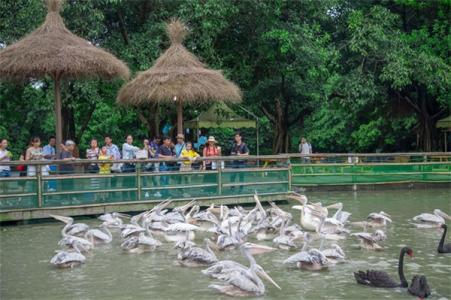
x: 93, y: 153
x: 34, y: 152
x: 191, y: 155
x: 104, y: 168
x: 239, y: 148
x: 5, y: 155
x: 129, y: 152
x: 210, y: 149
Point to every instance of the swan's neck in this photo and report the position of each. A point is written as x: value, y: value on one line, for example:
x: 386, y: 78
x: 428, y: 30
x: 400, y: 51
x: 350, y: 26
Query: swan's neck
x: 442, y: 240
x: 401, y: 270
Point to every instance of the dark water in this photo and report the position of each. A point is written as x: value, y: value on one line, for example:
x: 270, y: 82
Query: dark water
x: 111, y: 274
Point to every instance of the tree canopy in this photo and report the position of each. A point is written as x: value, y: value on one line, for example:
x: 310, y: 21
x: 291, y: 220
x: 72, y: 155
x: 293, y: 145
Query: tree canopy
x: 348, y: 75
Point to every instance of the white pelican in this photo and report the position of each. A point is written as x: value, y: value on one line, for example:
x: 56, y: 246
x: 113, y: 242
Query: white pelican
x: 334, y: 254
x: 70, y: 228
x: 68, y: 259
x: 370, y: 241
x: 311, y: 214
x: 312, y: 260
x: 283, y: 241
x: 70, y: 241
x: 140, y: 244
x: 379, y: 219
x: 97, y: 236
x: 177, y: 232
x: 191, y: 256
x: 239, y: 280
x: 426, y: 220
x: 112, y: 219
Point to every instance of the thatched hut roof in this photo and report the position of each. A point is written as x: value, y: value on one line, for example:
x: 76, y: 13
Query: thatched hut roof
x: 178, y: 73
x: 53, y: 50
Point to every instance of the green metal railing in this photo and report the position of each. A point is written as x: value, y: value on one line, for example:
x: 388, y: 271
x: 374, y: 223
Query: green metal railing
x: 81, y: 188
x: 346, y: 169
x: 274, y: 174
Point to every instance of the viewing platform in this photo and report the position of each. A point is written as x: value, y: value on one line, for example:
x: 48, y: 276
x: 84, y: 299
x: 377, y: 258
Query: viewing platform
x: 273, y: 177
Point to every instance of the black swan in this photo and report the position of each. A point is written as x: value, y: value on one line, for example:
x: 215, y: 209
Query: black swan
x: 442, y: 247
x: 382, y: 279
x: 419, y: 287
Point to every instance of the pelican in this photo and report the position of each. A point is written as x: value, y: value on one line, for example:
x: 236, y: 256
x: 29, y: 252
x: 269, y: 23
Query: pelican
x: 311, y: 214
x: 177, y: 232
x: 70, y: 241
x: 112, y: 219
x: 312, y: 260
x: 70, y: 228
x: 435, y: 220
x: 334, y: 254
x: 129, y: 230
x: 239, y: 280
x: 191, y: 256
x: 140, y: 244
x: 379, y: 219
x: 96, y: 236
x: 68, y: 259
x: 369, y: 241
x: 284, y: 241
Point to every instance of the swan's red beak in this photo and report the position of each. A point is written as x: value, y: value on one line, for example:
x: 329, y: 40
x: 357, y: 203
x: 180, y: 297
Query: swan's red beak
x: 410, y: 254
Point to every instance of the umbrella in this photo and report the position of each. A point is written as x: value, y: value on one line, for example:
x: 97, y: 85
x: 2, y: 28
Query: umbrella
x: 52, y: 50
x: 178, y: 76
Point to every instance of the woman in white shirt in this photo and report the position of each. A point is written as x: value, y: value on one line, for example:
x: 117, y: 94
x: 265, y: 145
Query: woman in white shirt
x: 129, y: 152
x: 305, y: 148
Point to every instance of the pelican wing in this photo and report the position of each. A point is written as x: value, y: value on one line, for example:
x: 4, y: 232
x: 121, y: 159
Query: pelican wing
x: 241, y: 279
x: 148, y: 241
x: 300, y: 256
x: 429, y: 218
x: 197, y: 254
x: 182, y: 227
x: 222, y: 267
x: 364, y: 236
x: 63, y: 257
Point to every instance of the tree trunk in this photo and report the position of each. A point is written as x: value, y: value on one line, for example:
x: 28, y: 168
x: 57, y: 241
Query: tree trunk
x: 58, y: 117
x: 280, y: 133
x: 179, y: 116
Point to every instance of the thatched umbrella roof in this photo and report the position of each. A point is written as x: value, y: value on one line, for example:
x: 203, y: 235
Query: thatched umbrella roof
x: 53, y: 50
x: 178, y: 75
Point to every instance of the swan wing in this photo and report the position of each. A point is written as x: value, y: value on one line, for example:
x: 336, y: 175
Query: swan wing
x: 375, y: 278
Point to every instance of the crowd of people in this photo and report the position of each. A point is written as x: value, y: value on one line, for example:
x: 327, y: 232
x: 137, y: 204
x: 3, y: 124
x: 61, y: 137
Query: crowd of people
x: 109, y: 152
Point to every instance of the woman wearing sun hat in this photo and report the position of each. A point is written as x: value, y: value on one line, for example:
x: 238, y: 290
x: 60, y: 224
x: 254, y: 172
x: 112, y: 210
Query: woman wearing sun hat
x: 211, y: 149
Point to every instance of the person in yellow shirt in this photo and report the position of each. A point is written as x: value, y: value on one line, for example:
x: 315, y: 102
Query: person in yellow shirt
x: 104, y: 168
x: 189, y: 153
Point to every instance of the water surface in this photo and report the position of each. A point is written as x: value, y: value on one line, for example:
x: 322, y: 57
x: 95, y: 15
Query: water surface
x: 25, y: 250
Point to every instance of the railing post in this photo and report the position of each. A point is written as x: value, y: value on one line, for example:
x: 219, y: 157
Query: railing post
x: 138, y: 181
x: 289, y: 175
x: 39, y: 184
x: 219, y: 168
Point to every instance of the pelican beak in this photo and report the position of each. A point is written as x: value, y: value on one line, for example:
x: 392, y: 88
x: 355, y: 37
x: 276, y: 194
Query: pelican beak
x: 298, y: 207
x: 123, y: 215
x: 267, y: 277
x: 338, y: 205
x: 385, y: 214
x: 256, y: 249
x: 61, y: 218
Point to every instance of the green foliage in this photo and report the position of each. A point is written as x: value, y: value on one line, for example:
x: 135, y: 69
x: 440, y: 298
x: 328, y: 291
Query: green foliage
x: 348, y: 75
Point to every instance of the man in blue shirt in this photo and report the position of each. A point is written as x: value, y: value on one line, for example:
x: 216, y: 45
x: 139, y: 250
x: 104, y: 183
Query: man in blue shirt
x: 49, y: 153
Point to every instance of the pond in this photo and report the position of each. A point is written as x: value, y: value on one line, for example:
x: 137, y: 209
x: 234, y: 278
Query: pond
x: 25, y: 250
